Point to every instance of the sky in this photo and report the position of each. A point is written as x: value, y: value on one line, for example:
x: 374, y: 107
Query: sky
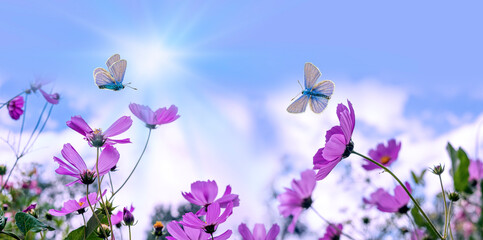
x: 411, y: 70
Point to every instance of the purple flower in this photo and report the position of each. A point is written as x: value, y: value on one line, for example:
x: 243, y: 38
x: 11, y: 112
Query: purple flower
x: 127, y: 217
x: 385, y: 202
x: 188, y: 233
x: 476, y: 170
x: 417, y: 234
x: 259, y: 232
x: 332, y: 232
x: 15, y: 107
x: 203, y: 193
x: 383, y: 155
x: 96, y: 137
x: 79, y: 206
x: 338, y: 143
x: 294, y: 201
x: 117, y: 218
x: 77, y: 167
x: 152, y: 119
x: 51, y: 98
x: 213, y: 218
x: 30, y: 208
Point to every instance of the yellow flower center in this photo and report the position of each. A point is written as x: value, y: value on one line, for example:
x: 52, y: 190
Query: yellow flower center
x: 158, y: 224
x: 97, y: 131
x: 385, y: 159
x: 81, y: 203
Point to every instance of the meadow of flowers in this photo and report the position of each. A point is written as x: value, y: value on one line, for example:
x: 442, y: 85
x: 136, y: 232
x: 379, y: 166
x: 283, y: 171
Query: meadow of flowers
x: 93, y: 196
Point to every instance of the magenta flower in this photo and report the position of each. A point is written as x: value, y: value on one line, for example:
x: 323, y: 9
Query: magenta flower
x: 338, y: 143
x: 96, y: 137
x: 213, y: 218
x: 332, y: 232
x: 152, y: 119
x: 294, y: 201
x: 15, y: 107
x: 187, y: 233
x: 79, y: 206
x: 203, y: 193
x: 116, y: 219
x: 383, y: 155
x: 385, y: 202
x: 77, y: 167
x: 476, y: 170
x: 259, y: 232
x: 51, y: 98
x: 417, y: 234
x: 30, y: 208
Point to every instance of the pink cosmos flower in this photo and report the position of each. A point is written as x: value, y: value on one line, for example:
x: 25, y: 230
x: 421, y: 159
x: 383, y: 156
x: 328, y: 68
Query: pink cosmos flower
x: 79, y: 206
x: 388, y: 203
x: 77, y: 167
x: 383, y: 155
x: 294, y: 201
x: 338, y: 143
x: 30, y: 208
x: 213, y: 218
x: 187, y: 233
x: 96, y: 137
x: 203, y: 193
x: 117, y: 218
x: 259, y: 232
x: 476, y: 170
x: 417, y: 234
x: 332, y: 232
x: 152, y: 119
x: 51, y: 98
x: 15, y: 107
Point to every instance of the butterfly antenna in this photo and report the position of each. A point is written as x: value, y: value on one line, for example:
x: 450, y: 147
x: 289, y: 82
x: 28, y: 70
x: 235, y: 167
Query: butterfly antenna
x: 296, y: 96
x: 300, y: 84
x: 127, y: 85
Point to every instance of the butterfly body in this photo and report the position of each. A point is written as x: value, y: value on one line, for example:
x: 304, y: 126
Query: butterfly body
x: 317, y: 94
x: 112, y: 79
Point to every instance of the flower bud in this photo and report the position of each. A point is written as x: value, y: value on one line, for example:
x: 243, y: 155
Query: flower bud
x: 100, y: 233
x: 454, y: 196
x: 127, y: 217
x: 437, y: 169
x: 158, y: 229
x: 3, y: 169
x: 88, y: 177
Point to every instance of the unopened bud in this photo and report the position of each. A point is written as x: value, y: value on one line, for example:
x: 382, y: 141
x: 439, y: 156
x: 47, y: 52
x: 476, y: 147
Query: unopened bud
x: 454, y: 196
x: 437, y: 169
x: 158, y: 229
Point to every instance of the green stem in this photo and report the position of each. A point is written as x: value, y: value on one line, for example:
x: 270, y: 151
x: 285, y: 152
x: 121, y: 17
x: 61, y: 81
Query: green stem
x: 35, y: 128
x: 129, y: 227
x: 145, y: 146
x: 110, y: 180
x: 10, y: 234
x: 21, y: 128
x: 94, y: 212
x: 100, y: 193
x: 445, y: 208
x: 41, y: 129
x: 407, y: 191
x: 331, y: 224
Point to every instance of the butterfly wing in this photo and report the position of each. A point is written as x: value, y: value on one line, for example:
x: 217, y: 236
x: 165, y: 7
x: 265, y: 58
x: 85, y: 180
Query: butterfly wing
x: 102, y: 78
x: 299, y: 105
x: 117, y: 70
x: 114, y: 58
x: 311, y: 74
x: 325, y: 87
x: 319, y: 103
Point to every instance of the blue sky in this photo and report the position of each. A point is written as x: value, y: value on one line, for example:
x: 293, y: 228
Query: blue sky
x: 412, y: 71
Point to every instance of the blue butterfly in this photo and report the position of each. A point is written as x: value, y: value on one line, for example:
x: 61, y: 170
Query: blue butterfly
x: 317, y: 94
x: 113, y: 78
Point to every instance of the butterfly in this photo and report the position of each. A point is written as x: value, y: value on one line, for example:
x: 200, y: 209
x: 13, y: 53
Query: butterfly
x: 317, y: 94
x: 113, y: 78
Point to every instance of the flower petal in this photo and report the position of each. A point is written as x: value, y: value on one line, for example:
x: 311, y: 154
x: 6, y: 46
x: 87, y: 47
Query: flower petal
x: 119, y: 126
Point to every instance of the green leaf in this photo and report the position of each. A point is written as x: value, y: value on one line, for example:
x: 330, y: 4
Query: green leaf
x: 421, y: 222
x: 10, y: 234
x: 461, y: 174
x: 418, y: 179
x: 454, y: 158
x: 26, y: 222
x: 78, y: 234
x: 479, y: 225
x: 3, y: 220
